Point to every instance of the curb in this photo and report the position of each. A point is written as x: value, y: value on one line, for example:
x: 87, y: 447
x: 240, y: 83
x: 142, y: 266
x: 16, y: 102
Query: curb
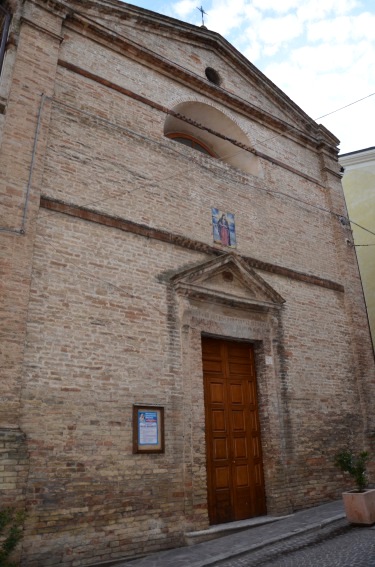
x: 307, y: 535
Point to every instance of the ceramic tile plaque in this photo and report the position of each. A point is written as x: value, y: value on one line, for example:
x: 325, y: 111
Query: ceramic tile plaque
x: 224, y: 230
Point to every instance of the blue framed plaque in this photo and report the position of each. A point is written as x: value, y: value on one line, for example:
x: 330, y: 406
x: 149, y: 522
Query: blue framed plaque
x: 148, y: 429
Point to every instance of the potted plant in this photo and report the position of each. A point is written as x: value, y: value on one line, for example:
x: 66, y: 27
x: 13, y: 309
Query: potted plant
x: 359, y: 504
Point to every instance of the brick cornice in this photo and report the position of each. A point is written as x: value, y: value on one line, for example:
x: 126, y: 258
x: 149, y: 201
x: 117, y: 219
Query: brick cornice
x: 41, y: 29
x: 178, y: 240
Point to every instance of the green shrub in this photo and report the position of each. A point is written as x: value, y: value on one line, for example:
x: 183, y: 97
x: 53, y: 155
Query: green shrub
x: 355, y: 465
x: 10, y: 534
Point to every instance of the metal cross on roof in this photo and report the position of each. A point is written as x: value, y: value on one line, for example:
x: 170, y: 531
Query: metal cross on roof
x: 202, y: 12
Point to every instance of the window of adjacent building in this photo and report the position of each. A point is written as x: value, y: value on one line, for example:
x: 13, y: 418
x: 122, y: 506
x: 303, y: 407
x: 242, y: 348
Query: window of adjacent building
x: 5, y: 18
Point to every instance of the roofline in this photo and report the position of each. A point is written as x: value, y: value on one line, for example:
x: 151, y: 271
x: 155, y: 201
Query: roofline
x: 214, y: 40
x: 206, y: 34
x: 358, y: 159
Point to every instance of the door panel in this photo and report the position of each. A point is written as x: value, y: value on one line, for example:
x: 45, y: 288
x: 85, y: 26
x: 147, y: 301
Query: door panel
x: 220, y: 449
x: 236, y: 393
x: 217, y: 391
x: 234, y: 458
x: 240, y: 448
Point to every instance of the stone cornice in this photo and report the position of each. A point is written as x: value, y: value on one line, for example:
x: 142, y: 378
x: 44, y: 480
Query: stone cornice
x: 331, y: 171
x: 247, y: 290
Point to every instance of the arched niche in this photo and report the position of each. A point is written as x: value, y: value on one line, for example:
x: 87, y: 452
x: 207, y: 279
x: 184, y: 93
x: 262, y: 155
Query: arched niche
x: 215, y: 120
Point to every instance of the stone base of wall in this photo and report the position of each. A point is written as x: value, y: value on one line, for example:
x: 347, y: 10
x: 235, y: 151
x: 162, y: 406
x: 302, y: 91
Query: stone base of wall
x: 13, y: 475
x: 13, y: 467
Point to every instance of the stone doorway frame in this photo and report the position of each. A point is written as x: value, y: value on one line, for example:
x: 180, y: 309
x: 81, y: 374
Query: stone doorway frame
x: 224, y: 298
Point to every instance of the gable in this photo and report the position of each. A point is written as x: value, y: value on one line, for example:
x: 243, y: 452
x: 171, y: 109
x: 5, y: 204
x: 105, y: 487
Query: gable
x: 185, y: 52
x: 227, y: 280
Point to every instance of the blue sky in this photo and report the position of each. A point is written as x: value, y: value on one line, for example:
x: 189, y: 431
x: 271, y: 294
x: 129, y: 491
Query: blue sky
x: 321, y: 53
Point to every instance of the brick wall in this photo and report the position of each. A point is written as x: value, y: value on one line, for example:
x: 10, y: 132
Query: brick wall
x: 93, y: 323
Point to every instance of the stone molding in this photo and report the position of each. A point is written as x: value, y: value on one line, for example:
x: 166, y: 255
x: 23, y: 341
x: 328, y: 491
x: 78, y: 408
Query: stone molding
x: 227, y: 280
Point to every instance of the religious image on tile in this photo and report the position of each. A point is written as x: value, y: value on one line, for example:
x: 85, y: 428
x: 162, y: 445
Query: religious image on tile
x: 223, y: 228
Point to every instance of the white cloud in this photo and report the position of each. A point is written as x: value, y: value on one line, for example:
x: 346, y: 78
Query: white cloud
x: 343, y: 28
x: 323, y: 58
x: 275, y: 31
x: 320, y: 52
x: 318, y: 74
x: 225, y: 16
x: 313, y: 10
x: 354, y: 126
x: 336, y: 30
x: 278, y: 6
x: 251, y: 47
x: 320, y: 85
x: 184, y: 7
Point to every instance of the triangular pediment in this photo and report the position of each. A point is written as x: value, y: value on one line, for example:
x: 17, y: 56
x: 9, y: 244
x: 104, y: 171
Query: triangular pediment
x: 229, y: 280
x: 156, y: 39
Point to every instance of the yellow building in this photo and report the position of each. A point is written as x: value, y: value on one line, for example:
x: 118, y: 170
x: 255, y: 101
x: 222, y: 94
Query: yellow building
x: 359, y: 189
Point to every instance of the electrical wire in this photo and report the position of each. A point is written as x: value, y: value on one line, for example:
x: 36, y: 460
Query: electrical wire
x: 196, y: 162
x: 133, y: 133
x: 261, y: 142
x: 154, y: 184
x: 130, y: 295
x: 223, y: 175
x: 362, y: 227
x: 343, y: 107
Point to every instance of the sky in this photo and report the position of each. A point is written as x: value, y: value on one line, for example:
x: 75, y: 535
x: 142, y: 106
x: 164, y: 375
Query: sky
x: 321, y: 53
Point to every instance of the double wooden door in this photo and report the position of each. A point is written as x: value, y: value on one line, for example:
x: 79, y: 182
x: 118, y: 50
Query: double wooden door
x: 234, y: 456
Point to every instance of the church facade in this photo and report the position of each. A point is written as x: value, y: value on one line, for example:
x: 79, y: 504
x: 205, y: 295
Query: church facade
x: 184, y: 335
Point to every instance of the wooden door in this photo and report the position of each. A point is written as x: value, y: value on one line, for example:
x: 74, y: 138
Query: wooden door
x: 234, y: 456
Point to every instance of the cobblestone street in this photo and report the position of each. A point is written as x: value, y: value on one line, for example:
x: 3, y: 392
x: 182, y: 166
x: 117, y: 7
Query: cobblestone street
x: 347, y: 547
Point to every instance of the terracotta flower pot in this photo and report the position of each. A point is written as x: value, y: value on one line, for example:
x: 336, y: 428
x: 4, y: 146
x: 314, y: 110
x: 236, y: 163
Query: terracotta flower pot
x: 360, y: 506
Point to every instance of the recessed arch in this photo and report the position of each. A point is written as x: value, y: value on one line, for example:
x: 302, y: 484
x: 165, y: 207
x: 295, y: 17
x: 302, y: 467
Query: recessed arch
x: 217, y: 146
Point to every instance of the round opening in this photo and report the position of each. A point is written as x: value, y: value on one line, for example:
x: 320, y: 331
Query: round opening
x: 213, y: 76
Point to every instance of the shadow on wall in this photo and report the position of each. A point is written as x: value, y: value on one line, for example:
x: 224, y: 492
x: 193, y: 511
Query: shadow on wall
x: 215, y: 120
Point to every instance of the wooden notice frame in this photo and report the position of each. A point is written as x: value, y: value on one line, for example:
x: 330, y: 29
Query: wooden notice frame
x: 148, y: 429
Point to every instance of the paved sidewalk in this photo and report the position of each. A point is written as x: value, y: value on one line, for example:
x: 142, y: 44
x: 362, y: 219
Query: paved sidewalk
x: 349, y: 546
x: 307, y: 523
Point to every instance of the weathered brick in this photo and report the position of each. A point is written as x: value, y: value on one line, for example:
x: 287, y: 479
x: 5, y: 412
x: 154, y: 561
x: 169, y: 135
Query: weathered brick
x: 92, y: 321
